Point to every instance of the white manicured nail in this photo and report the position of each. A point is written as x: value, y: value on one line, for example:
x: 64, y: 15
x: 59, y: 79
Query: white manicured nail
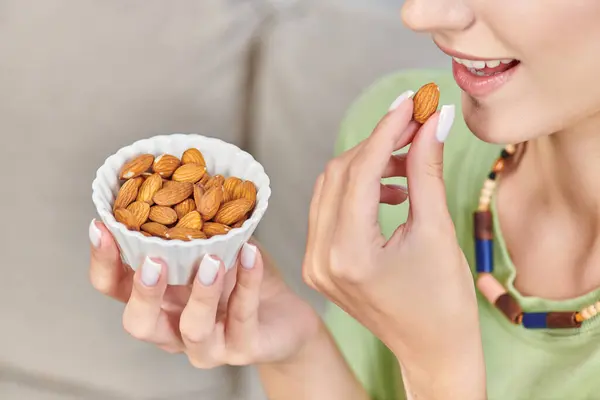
x: 400, y: 99
x: 95, y: 234
x: 445, y: 121
x: 209, y: 268
x: 248, y: 258
x: 150, y: 272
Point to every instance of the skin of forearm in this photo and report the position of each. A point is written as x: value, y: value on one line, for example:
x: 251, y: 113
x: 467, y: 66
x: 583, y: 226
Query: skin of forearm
x: 460, y: 375
x: 317, y: 372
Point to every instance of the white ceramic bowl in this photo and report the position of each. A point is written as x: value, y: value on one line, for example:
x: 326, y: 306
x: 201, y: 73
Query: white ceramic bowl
x: 181, y: 257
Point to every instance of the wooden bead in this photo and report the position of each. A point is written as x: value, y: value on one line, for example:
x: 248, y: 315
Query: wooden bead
x: 485, y: 201
x: 579, y: 317
x: 510, y: 308
x: 489, y: 287
x: 562, y: 320
x: 483, y: 225
x: 498, y: 166
x: 511, y: 149
x: 592, y: 310
x: 585, y: 314
x: 486, y: 192
x: 489, y: 184
x: 597, y: 306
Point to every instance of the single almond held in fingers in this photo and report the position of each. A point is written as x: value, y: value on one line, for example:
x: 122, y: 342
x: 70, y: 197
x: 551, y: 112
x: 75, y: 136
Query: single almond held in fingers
x: 137, y: 166
x: 189, y: 173
x: 211, y: 201
x: 175, y: 193
x: 128, y: 193
x: 191, y: 220
x: 186, y: 206
x: 155, y: 229
x: 214, y: 229
x: 127, y: 218
x: 151, y: 185
x: 185, y: 234
x: 233, y: 211
x: 163, y: 215
x: 426, y: 102
x: 140, y: 211
x: 193, y: 156
x: 165, y: 165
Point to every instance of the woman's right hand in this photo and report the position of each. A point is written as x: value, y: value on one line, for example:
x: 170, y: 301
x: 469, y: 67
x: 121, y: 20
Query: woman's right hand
x: 245, y: 316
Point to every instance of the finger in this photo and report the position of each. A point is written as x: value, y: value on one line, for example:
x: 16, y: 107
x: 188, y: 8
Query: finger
x: 143, y: 317
x: 396, y: 166
x: 199, y: 318
x: 425, y: 167
x: 312, y: 229
x: 241, y: 328
x: 108, y: 274
x: 361, y: 202
x: 393, y: 194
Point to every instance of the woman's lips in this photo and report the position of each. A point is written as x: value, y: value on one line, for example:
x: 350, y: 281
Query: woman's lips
x: 483, y: 85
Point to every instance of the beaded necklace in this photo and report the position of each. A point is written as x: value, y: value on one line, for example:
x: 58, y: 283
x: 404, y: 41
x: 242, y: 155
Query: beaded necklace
x: 489, y: 286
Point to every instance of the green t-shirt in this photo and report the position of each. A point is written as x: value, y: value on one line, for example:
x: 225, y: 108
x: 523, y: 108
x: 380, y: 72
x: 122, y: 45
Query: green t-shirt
x: 521, y: 364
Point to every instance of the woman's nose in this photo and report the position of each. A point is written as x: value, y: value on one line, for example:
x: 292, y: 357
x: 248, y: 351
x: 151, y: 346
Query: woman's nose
x: 437, y: 16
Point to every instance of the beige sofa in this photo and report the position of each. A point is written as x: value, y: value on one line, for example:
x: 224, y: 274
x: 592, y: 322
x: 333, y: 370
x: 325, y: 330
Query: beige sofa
x: 81, y: 78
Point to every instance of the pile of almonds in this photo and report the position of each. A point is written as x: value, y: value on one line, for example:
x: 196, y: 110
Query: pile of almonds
x: 178, y: 199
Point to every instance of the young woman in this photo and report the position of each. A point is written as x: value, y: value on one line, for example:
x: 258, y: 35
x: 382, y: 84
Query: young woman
x: 498, y: 257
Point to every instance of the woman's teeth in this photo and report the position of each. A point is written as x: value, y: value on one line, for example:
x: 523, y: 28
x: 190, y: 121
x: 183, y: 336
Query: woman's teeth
x: 477, y: 66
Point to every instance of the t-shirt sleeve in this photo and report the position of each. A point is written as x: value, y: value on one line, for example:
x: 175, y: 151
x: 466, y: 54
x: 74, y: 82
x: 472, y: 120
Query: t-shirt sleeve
x: 374, y: 365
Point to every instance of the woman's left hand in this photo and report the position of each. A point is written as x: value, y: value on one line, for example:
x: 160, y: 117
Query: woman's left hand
x: 414, y: 291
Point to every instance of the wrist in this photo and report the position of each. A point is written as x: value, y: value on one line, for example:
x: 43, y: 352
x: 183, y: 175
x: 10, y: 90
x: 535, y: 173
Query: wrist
x: 455, y: 372
x: 315, y: 341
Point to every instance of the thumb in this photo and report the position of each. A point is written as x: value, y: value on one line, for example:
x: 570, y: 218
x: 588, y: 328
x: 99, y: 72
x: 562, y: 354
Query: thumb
x: 427, y: 193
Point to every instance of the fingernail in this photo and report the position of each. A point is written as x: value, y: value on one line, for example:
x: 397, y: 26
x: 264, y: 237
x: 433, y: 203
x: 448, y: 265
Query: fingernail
x: 400, y: 99
x: 95, y: 234
x: 445, y: 122
x: 248, y: 258
x: 209, y: 268
x: 150, y: 272
x: 402, y: 188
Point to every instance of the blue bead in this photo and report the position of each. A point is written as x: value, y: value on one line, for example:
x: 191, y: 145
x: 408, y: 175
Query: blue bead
x: 535, y: 320
x: 484, y: 255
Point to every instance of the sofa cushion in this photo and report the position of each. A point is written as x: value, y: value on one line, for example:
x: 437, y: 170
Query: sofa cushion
x: 80, y: 79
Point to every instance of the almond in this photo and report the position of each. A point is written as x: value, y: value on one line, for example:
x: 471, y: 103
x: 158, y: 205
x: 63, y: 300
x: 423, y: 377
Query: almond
x: 145, y: 234
x: 193, y: 156
x: 198, y: 193
x: 240, y: 222
x: 162, y: 215
x: 426, y: 101
x: 127, y: 218
x: 230, y: 186
x: 155, y: 229
x: 189, y: 173
x: 209, y: 203
x: 211, y: 229
x: 185, y: 234
x: 137, y: 166
x: 191, y: 220
x: 232, y: 212
x: 140, y: 211
x: 168, y: 184
x: 204, y: 180
x: 128, y: 193
x: 151, y: 185
x: 165, y: 165
x: 186, y: 206
x: 173, y: 194
x: 247, y: 190
x: 216, y: 180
